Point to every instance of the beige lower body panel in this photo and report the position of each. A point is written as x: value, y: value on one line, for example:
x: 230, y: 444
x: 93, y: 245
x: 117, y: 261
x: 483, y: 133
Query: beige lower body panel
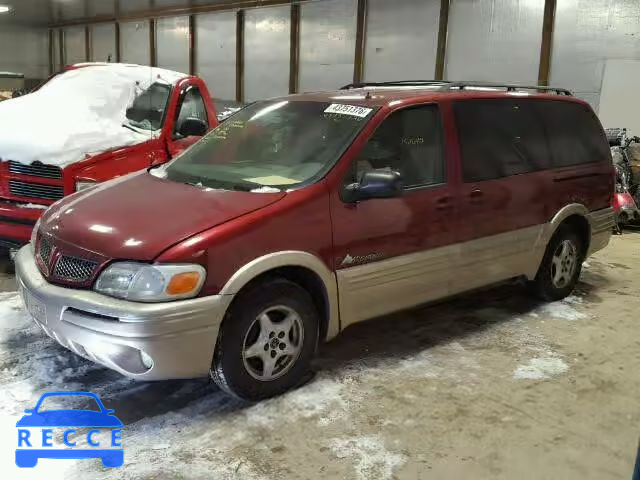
x: 386, y: 286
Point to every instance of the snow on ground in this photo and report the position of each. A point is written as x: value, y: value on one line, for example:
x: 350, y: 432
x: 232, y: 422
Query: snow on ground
x: 371, y: 459
x: 190, y: 429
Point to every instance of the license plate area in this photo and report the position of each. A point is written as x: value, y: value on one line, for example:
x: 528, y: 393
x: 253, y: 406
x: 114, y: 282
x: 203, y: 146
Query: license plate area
x: 34, y: 307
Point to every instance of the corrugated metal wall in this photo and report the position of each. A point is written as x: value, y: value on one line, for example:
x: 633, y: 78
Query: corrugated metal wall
x: 327, y: 44
x: 402, y: 37
x: 266, y: 52
x: 495, y: 40
x: 216, y: 53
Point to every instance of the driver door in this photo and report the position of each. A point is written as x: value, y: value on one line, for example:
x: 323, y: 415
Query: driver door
x: 395, y: 253
x: 190, y: 106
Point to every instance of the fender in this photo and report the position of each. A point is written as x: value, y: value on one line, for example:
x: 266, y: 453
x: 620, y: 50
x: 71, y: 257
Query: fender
x: 271, y: 261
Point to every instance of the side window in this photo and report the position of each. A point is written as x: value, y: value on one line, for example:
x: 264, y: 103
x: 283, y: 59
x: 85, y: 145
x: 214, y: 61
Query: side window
x: 499, y: 138
x: 409, y: 141
x: 574, y: 132
x: 191, y: 106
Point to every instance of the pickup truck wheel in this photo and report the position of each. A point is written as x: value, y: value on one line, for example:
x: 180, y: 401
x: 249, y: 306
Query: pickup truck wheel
x: 560, y: 268
x: 267, y: 341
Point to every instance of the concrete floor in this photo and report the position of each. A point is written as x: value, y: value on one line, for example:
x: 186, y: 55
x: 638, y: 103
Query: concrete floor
x: 492, y: 385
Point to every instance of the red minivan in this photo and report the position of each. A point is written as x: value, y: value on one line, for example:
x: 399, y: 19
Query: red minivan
x: 302, y: 215
x: 92, y: 123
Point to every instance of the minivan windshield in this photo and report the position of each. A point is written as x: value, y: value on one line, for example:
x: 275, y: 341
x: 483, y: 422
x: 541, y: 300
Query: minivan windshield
x: 271, y: 145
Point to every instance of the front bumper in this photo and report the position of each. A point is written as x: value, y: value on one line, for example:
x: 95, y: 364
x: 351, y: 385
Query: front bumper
x: 179, y: 336
x: 16, y: 223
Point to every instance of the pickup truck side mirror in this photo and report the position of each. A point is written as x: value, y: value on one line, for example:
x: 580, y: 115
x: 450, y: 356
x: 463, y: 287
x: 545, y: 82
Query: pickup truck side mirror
x: 193, y: 127
x: 375, y: 184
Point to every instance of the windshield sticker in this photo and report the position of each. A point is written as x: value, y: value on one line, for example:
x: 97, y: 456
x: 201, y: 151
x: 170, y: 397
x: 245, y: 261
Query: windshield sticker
x: 351, y: 110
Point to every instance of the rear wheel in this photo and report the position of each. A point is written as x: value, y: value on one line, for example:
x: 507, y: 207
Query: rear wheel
x: 561, y: 265
x: 267, y: 341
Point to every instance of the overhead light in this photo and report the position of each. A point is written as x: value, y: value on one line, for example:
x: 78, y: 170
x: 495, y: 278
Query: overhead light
x: 5, y: 9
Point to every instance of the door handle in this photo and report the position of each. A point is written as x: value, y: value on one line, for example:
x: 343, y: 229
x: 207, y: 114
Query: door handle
x: 476, y: 196
x: 444, y: 203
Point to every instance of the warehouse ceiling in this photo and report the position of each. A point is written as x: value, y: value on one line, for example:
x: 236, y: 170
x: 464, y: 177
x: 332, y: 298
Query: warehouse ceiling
x: 52, y: 12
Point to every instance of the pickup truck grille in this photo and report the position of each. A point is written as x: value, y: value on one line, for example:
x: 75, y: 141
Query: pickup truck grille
x: 35, y: 170
x: 74, y: 269
x: 36, y: 190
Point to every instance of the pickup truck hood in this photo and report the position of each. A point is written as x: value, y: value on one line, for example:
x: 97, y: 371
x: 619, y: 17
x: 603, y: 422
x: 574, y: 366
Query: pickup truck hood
x: 140, y: 216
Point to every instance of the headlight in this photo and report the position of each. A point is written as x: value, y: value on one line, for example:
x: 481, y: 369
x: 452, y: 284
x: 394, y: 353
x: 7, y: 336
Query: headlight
x: 84, y: 184
x: 34, y: 234
x: 142, y: 282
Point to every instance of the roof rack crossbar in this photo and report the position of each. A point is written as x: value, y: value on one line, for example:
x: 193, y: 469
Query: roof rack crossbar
x: 450, y: 85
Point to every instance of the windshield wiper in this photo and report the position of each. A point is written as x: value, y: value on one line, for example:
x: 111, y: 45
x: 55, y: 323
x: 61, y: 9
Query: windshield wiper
x: 130, y: 127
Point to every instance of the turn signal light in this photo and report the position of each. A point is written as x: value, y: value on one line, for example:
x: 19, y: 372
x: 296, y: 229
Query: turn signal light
x: 182, y: 283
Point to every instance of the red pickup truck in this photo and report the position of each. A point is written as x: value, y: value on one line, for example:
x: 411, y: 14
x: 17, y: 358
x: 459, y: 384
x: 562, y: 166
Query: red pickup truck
x: 92, y: 123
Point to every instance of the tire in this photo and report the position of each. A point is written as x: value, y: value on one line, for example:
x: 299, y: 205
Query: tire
x: 243, y: 371
x: 546, y: 284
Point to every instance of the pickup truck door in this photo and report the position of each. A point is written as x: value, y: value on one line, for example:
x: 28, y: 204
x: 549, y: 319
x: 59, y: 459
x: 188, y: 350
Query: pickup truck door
x: 193, y: 105
x: 395, y: 253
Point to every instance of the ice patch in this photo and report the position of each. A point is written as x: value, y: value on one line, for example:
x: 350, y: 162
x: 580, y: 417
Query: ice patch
x: 372, y: 461
x: 266, y: 189
x: 540, y: 369
x: 563, y: 310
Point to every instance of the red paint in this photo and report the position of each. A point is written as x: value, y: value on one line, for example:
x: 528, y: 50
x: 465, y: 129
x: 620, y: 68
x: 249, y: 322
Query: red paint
x: 101, y: 167
x: 225, y: 230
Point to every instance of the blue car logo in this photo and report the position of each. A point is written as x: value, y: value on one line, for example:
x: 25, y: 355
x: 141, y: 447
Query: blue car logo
x: 33, y: 444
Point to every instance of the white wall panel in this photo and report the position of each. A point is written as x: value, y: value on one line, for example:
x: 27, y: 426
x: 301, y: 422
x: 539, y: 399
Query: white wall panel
x: 495, y: 40
x: 24, y: 50
x: 74, y: 45
x: 216, y: 53
x: 134, y: 42
x: 327, y: 44
x: 402, y: 39
x: 103, y: 42
x: 587, y: 34
x: 172, y: 43
x: 266, y: 52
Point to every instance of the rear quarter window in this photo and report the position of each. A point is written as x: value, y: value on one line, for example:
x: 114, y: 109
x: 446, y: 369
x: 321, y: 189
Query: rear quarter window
x: 574, y: 132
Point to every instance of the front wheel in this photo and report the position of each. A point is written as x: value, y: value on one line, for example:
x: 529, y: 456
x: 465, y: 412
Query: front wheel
x: 267, y: 341
x: 561, y: 266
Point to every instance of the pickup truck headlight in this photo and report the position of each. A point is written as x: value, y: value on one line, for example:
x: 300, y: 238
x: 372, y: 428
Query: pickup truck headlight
x: 141, y: 282
x: 84, y: 184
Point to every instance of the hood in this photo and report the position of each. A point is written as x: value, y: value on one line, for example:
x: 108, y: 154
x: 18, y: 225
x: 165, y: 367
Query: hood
x: 76, y: 114
x: 140, y: 216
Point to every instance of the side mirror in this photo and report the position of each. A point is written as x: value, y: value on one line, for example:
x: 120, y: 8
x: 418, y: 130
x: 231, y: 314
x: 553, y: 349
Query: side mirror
x: 193, y: 127
x: 376, y: 184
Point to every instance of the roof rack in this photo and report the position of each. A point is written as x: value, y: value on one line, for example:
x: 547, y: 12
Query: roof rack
x: 450, y: 85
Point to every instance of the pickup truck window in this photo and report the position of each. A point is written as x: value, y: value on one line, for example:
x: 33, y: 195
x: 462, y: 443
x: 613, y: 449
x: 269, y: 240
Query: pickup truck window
x: 149, y: 106
x: 273, y: 145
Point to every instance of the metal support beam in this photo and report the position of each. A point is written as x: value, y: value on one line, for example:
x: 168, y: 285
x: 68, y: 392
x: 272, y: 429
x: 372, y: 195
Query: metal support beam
x: 361, y: 33
x: 443, y: 32
x: 547, y: 42
x: 87, y: 43
x: 52, y: 53
x: 192, y: 44
x: 153, y: 60
x: 294, y: 53
x: 61, y: 47
x: 240, y: 56
x: 118, y: 58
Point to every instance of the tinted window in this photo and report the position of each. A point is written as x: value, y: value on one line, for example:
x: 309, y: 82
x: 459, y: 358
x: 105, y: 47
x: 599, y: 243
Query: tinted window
x: 192, y: 107
x: 409, y: 142
x: 499, y: 138
x: 574, y: 132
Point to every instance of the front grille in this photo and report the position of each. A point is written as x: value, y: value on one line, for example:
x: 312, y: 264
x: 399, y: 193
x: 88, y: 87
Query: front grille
x: 36, y: 190
x: 36, y: 169
x: 45, y: 251
x: 74, y: 269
